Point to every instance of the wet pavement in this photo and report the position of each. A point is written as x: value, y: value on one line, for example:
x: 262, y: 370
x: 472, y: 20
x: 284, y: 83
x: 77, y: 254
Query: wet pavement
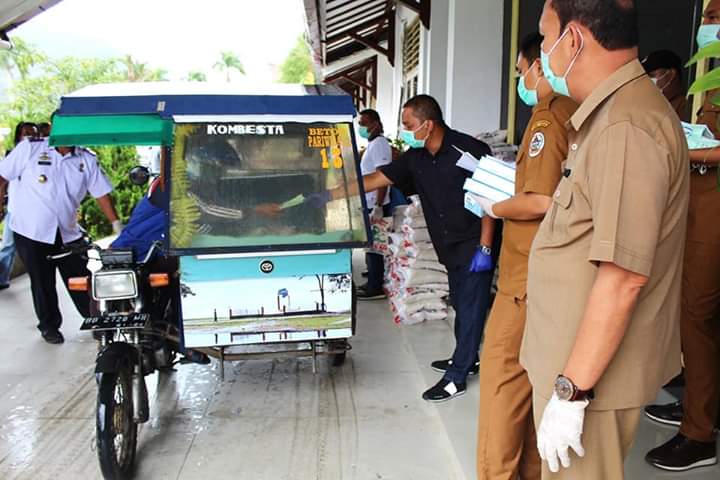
x: 270, y: 419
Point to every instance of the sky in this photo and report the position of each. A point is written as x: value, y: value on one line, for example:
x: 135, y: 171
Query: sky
x: 176, y: 35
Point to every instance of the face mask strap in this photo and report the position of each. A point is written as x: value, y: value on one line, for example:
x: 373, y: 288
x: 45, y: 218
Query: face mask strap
x: 577, y: 55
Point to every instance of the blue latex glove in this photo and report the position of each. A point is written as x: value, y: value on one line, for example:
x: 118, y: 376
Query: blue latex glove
x: 481, y: 262
x: 318, y: 200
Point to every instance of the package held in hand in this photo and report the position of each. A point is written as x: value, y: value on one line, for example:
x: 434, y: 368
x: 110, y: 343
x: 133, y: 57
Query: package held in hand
x: 493, y: 179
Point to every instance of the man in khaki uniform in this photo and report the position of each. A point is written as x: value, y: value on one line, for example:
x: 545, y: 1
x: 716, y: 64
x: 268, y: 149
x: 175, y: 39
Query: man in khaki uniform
x: 602, y: 333
x: 697, y: 415
x: 506, y: 434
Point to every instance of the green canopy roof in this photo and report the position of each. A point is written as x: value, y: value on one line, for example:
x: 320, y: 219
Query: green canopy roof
x: 141, y: 130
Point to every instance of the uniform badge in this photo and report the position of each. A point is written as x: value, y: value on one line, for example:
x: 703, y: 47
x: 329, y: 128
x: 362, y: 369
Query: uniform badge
x: 541, y: 124
x: 44, y: 157
x: 537, y: 144
x: 42, y: 179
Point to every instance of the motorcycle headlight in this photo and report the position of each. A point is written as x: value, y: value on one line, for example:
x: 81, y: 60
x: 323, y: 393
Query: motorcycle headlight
x: 114, y: 285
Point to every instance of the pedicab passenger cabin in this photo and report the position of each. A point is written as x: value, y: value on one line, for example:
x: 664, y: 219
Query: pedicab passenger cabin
x: 249, y: 274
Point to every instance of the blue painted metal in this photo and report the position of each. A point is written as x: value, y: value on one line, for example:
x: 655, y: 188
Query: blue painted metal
x: 209, y: 105
x: 224, y: 268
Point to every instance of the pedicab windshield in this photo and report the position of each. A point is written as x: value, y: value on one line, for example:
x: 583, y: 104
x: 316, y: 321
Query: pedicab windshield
x: 236, y: 186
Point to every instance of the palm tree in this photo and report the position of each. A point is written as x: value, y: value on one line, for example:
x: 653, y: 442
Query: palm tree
x: 228, y: 62
x: 140, y: 72
x: 20, y: 58
x: 196, y: 76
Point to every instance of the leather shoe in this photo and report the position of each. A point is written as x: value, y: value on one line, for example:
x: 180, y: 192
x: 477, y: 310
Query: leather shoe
x: 53, y: 337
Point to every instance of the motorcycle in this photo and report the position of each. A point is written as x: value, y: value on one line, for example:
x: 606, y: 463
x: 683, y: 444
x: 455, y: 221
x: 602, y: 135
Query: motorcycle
x: 135, y: 322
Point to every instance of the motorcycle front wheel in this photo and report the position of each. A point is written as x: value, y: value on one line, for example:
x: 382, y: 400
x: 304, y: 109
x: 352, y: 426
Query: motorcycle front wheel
x: 115, y: 429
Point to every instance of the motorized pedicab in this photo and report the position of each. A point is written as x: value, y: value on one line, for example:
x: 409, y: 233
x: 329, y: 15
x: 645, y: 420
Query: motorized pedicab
x: 247, y: 283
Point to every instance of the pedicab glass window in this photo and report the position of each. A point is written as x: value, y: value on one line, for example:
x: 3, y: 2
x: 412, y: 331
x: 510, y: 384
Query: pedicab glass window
x: 229, y: 179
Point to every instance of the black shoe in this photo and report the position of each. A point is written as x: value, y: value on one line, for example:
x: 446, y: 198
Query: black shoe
x: 364, y: 274
x: 680, y: 453
x: 364, y: 294
x: 668, y: 414
x: 4, y: 286
x: 53, y: 336
x: 443, y: 391
x: 442, y: 366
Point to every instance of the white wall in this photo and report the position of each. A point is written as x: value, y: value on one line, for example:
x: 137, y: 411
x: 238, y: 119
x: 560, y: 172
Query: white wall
x: 434, y: 43
x: 386, y: 102
x: 474, y: 66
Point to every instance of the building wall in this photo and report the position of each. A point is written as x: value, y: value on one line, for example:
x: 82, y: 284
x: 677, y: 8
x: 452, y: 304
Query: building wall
x: 474, y: 65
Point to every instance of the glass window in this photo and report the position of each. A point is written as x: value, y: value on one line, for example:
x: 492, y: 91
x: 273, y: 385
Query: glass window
x: 223, y: 175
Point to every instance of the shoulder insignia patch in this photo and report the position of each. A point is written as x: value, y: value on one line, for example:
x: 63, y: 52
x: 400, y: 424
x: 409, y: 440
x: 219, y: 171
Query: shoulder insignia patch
x: 541, y: 124
x: 537, y: 144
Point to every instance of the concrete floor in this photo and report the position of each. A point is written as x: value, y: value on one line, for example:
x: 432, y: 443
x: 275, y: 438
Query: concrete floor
x: 270, y: 419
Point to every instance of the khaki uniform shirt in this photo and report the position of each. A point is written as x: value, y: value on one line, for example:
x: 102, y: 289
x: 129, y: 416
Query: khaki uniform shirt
x: 624, y: 201
x: 539, y: 169
x: 710, y: 113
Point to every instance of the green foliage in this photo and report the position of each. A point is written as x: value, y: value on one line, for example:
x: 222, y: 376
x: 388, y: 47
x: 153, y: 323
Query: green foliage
x: 228, y: 62
x: 116, y: 162
x: 20, y: 59
x: 711, y: 80
x: 298, y: 66
x: 38, y: 82
x: 196, y: 76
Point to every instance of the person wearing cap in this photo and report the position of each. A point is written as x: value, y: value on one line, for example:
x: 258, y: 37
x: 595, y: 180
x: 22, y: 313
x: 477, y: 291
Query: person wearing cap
x: 699, y: 412
x: 665, y: 69
x: 506, y: 433
x: 605, y: 269
x: 51, y: 182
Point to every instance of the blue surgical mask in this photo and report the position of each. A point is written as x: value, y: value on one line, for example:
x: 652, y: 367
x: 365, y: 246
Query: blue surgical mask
x: 408, y: 136
x: 707, y: 34
x: 363, y: 132
x: 559, y: 84
x: 529, y: 97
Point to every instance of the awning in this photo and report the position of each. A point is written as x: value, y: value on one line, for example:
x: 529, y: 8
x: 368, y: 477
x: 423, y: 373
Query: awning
x: 140, y: 130
x: 14, y: 13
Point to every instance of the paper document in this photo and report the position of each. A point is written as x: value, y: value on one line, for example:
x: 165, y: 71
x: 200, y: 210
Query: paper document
x: 467, y: 161
x: 293, y: 202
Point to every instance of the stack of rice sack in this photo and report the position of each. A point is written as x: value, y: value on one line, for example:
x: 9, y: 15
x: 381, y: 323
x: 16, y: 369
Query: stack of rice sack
x: 415, y: 281
x: 497, y: 141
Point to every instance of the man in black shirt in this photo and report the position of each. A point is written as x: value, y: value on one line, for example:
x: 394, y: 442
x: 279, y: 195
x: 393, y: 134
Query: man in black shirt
x: 462, y: 240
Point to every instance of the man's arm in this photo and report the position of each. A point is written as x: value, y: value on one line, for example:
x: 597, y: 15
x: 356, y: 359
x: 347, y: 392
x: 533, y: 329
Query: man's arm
x: 607, y: 315
x: 708, y: 155
x: 106, y: 205
x: 371, y: 182
x: 381, y: 192
x: 523, y: 206
x: 3, y: 192
x: 487, y: 231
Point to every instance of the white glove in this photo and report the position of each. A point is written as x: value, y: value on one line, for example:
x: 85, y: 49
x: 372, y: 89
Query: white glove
x: 377, y: 212
x: 117, y: 227
x: 487, y: 205
x: 560, y: 429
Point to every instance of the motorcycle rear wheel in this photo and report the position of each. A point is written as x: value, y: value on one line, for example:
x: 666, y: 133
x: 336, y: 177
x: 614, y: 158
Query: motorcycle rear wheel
x: 115, y: 429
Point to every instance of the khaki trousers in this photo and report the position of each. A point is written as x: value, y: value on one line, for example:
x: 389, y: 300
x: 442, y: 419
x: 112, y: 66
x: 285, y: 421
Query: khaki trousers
x: 507, y: 447
x: 700, y: 320
x: 607, y: 437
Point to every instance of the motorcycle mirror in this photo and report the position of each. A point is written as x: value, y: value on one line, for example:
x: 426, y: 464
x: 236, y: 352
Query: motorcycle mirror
x: 139, y: 176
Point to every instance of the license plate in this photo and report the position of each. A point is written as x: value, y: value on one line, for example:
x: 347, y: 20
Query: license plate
x: 134, y: 320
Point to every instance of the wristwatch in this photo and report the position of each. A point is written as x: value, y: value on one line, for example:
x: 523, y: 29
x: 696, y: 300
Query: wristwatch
x: 486, y: 250
x: 565, y: 389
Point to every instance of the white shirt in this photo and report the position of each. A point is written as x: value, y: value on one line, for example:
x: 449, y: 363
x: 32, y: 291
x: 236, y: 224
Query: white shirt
x: 377, y: 154
x: 49, y: 188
